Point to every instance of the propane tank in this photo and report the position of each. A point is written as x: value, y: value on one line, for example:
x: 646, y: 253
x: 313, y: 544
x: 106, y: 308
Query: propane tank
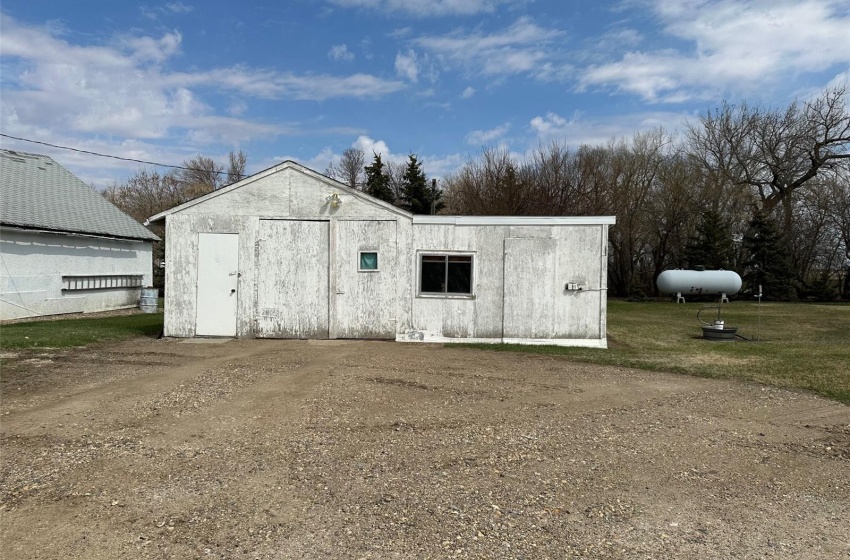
x: 699, y: 282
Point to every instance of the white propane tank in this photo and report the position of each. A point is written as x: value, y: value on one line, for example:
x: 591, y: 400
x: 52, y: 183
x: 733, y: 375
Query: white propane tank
x: 695, y: 282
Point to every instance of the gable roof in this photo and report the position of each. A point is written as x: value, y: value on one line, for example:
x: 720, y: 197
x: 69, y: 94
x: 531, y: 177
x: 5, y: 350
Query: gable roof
x: 288, y: 164
x: 38, y: 193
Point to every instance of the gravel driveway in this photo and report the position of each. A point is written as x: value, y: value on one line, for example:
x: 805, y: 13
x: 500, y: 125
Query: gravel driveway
x: 294, y: 449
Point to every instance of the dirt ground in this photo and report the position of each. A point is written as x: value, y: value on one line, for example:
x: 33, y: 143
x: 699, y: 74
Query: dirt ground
x: 294, y: 449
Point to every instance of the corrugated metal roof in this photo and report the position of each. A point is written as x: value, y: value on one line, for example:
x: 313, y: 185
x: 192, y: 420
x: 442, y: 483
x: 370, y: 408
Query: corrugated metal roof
x: 36, y: 192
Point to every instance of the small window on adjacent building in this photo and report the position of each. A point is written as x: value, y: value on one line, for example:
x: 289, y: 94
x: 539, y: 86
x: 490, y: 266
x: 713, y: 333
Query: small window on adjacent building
x: 368, y: 261
x: 445, y: 274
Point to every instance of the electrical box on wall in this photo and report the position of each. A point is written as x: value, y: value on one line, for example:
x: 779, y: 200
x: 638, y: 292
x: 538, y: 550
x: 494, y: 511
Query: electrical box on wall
x: 570, y: 286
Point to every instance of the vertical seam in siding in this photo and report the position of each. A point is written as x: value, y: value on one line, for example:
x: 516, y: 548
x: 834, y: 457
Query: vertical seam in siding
x: 332, y: 280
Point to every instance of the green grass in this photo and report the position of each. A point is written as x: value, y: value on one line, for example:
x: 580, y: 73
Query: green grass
x: 65, y: 333
x: 801, y: 346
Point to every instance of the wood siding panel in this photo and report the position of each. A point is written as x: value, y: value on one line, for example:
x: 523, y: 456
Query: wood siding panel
x: 365, y: 301
x: 292, y: 279
x: 290, y: 193
x: 579, y: 262
x: 530, y: 272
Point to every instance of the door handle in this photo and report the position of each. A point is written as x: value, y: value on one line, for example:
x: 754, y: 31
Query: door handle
x: 233, y: 291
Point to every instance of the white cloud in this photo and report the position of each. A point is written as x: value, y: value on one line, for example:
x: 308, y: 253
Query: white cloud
x: 179, y: 8
x: 340, y: 53
x: 406, y: 67
x: 411, y: 66
x: 577, y: 130
x: 522, y: 48
x: 480, y: 137
x: 126, y: 89
x: 468, y: 92
x: 429, y: 8
x: 746, y: 45
x: 152, y: 49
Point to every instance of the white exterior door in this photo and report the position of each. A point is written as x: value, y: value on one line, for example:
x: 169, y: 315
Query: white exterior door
x: 366, y: 262
x: 218, y: 279
x: 292, y: 279
x: 529, y: 288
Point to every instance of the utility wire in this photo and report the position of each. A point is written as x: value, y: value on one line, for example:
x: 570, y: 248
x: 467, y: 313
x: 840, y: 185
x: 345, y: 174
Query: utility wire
x: 109, y: 156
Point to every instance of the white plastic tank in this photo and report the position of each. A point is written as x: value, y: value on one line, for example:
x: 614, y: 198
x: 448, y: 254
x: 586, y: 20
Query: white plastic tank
x: 697, y: 282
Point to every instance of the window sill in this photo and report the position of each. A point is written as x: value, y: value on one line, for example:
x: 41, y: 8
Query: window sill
x: 446, y: 296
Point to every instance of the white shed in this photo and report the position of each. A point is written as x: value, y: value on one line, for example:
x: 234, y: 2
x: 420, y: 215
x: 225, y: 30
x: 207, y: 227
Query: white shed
x: 290, y: 253
x: 63, y: 247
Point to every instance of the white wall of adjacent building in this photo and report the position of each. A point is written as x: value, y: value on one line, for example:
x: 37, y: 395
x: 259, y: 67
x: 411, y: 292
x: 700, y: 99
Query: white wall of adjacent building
x: 47, y: 274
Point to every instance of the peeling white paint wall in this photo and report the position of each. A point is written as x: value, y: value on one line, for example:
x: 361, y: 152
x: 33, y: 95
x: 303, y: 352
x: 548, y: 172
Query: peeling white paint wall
x: 33, y: 264
x: 520, y: 280
x: 538, y: 280
x: 286, y: 269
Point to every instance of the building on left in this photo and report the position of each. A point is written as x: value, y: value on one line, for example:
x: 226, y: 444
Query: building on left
x: 64, y: 248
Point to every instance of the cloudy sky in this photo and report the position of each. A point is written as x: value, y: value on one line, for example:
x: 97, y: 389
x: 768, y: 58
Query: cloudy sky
x: 306, y: 79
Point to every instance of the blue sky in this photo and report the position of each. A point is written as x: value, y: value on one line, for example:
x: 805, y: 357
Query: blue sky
x: 305, y: 80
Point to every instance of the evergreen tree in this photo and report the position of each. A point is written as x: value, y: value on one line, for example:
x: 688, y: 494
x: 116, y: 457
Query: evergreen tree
x: 767, y: 263
x: 415, y: 194
x: 378, y: 182
x: 711, y: 247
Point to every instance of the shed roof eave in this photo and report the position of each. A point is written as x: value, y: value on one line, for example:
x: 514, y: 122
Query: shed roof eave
x: 36, y: 229
x: 514, y: 220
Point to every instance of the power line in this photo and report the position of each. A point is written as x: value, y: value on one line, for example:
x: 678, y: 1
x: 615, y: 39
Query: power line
x: 108, y: 155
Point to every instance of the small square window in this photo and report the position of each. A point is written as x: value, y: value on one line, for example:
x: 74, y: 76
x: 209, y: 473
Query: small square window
x: 368, y: 261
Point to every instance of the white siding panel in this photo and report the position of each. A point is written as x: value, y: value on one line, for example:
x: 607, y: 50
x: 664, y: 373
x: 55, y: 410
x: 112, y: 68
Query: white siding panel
x: 530, y: 287
x: 181, y: 268
x: 34, y: 264
x: 365, y: 302
x: 289, y: 193
x: 292, y: 279
x: 579, y: 262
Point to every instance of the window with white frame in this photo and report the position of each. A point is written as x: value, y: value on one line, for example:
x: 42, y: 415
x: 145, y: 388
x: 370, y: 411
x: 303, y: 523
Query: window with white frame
x: 446, y: 273
x: 367, y: 261
x: 101, y: 281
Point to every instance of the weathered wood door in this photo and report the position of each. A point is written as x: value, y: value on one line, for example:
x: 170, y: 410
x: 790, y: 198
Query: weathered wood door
x: 218, y: 275
x: 292, y: 279
x: 366, y: 267
x: 530, y: 282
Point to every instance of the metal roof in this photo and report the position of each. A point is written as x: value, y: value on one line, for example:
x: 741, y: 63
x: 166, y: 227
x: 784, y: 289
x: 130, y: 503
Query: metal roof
x: 38, y: 193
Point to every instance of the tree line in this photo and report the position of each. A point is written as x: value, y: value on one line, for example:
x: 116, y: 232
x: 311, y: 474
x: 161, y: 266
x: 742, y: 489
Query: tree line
x: 762, y: 191
x: 404, y: 185
x: 149, y: 192
x: 765, y: 192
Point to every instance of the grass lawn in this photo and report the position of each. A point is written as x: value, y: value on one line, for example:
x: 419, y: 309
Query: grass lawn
x: 78, y: 332
x: 803, y: 346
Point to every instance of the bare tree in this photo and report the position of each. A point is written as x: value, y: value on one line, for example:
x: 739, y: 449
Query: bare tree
x: 491, y: 184
x: 395, y: 172
x: 632, y: 173
x: 236, y: 168
x: 349, y: 169
x: 771, y: 152
x: 201, y: 175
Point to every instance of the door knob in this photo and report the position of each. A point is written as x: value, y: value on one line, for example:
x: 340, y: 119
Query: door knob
x: 233, y: 291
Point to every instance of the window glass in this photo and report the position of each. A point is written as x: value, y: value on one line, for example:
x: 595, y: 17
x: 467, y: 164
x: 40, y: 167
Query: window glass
x: 446, y: 274
x: 368, y: 260
x: 433, y: 274
x: 459, y: 275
